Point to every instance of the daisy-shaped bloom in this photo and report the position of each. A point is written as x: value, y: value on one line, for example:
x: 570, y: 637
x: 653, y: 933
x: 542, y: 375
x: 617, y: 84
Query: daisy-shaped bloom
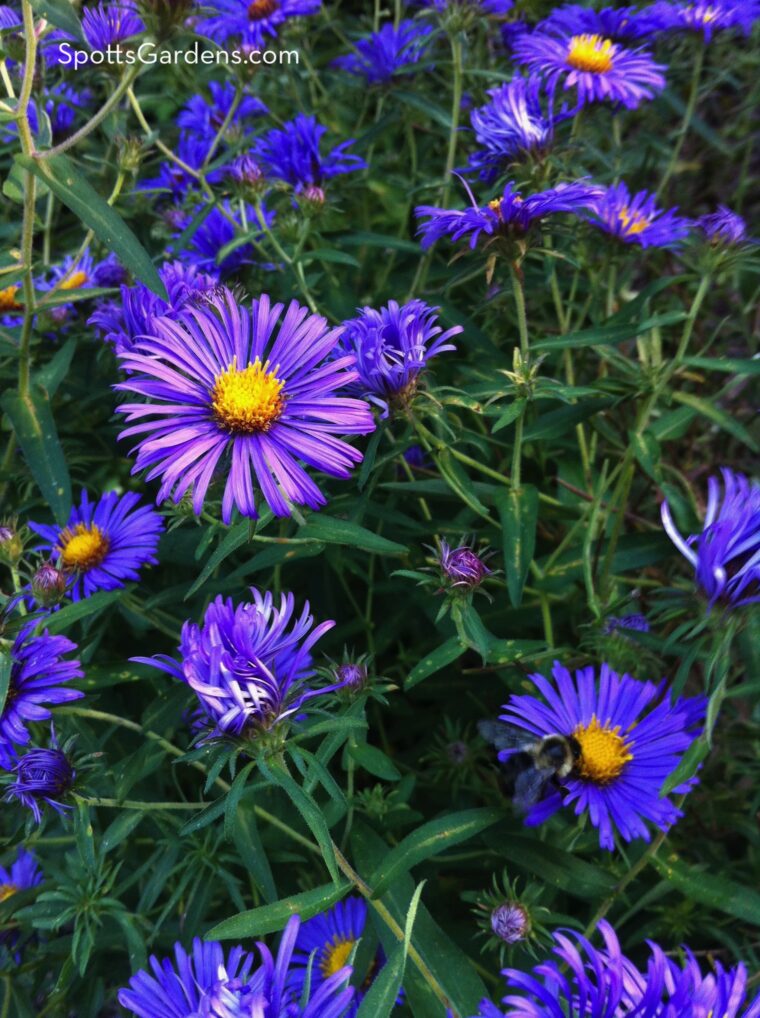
x: 384, y: 53
x: 590, y: 982
x: 599, y: 69
x: 105, y: 543
x: 204, y: 118
x: 217, y: 230
x: 509, y: 215
x: 208, y: 982
x: 392, y: 347
x: 705, y: 16
x: 635, y: 219
x: 251, y: 21
x: 121, y: 322
x: 292, y: 153
x: 631, y: 738
x: 84, y: 273
x: 511, y: 123
x: 250, y: 664
x: 239, y: 390
x: 615, y: 23
x: 103, y: 25
x: 42, y: 776
x: 723, y: 228
x: 330, y: 939
x: 726, y: 554
x: 38, y: 676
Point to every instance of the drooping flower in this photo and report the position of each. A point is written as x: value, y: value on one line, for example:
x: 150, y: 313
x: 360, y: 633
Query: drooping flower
x: 103, y: 25
x: 599, y: 69
x: 392, y: 347
x: 615, y: 23
x: 383, y: 54
x: 635, y: 219
x: 23, y: 873
x: 461, y: 567
x: 122, y: 322
x: 292, y: 153
x: 42, y: 776
x: 251, y: 21
x: 723, y: 227
x: 631, y: 738
x: 38, y: 676
x: 512, y: 123
x: 704, y: 16
x: 211, y: 984
x: 204, y: 119
x: 105, y: 543
x: 590, y: 982
x: 509, y: 215
x: 726, y: 554
x: 250, y: 664
x: 227, y: 392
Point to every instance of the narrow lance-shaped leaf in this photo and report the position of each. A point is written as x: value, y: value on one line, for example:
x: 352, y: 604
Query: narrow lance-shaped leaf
x: 518, y: 511
x: 256, y: 922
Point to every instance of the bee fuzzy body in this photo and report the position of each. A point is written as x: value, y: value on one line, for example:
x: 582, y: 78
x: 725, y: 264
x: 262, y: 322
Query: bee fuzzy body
x: 534, y: 766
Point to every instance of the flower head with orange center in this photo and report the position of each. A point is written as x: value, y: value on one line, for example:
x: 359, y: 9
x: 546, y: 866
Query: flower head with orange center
x: 632, y: 736
x: 247, y: 401
x: 636, y: 219
x: 250, y: 21
x: 9, y: 299
x: 104, y: 544
x: 703, y: 16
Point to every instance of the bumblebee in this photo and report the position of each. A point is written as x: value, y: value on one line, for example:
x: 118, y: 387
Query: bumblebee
x: 535, y: 765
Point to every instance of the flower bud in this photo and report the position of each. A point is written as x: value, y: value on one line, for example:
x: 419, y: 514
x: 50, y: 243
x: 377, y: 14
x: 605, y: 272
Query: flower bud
x: 461, y: 567
x: 48, y: 585
x: 42, y: 776
x: 11, y: 545
x: 510, y: 922
x: 352, y: 676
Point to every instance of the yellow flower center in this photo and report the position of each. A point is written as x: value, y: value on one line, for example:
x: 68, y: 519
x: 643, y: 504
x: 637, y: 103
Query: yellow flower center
x: 7, y: 891
x: 335, y: 957
x: 260, y: 9
x: 706, y: 16
x: 8, y: 300
x: 604, y: 751
x: 590, y: 53
x: 247, y: 401
x: 74, y: 281
x: 83, y: 548
x: 632, y: 222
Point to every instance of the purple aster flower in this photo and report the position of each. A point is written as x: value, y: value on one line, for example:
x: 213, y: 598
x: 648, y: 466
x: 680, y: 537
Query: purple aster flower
x: 506, y: 216
x: 723, y: 228
x: 392, y: 347
x: 486, y: 7
x: 23, y: 874
x: 105, y: 543
x: 219, y: 229
x: 416, y: 457
x: 246, y: 172
x: 293, y: 153
x: 9, y: 18
x: 192, y: 149
x: 635, y: 219
x: 122, y: 321
x: 250, y: 665
x: 726, y: 554
x: 204, y: 119
x: 511, y: 124
x: 598, y: 68
x: 62, y: 104
x: 461, y: 567
x: 251, y: 21
x: 590, y: 982
x: 615, y: 23
x: 103, y: 25
x: 228, y: 393
x: 638, y: 623
x: 43, y: 776
x: 37, y: 681
x: 631, y: 737
x: 84, y: 273
x: 705, y: 16
x: 382, y: 54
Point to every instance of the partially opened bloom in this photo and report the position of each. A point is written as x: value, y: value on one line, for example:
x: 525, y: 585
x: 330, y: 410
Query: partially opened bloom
x: 631, y: 737
x: 384, y: 53
x: 726, y: 554
x: 723, y: 228
x: 461, y: 567
x: 42, y: 776
x: 211, y: 984
x: 511, y: 215
x: 251, y: 21
x: 599, y: 69
x: 704, y: 16
x: 293, y: 153
x: 204, y: 118
x: 250, y: 665
x: 635, y: 219
x: 105, y: 543
x: 241, y: 391
x: 38, y: 676
x: 392, y: 347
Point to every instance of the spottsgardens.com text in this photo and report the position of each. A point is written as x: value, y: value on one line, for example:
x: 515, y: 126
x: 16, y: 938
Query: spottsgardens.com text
x: 149, y: 53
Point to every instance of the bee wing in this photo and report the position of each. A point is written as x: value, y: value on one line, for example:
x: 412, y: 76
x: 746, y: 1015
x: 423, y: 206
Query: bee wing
x: 503, y: 736
x: 529, y: 786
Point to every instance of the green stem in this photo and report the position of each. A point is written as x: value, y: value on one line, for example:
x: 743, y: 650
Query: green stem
x: 134, y: 804
x: 691, y: 105
x: 522, y: 327
x: 30, y: 195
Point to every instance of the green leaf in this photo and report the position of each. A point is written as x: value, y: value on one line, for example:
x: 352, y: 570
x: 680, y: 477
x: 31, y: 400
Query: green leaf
x: 729, y: 365
x: 310, y: 811
x: 383, y: 993
x: 430, y: 839
x: 444, y: 655
x: 419, y: 102
x: 605, y: 335
x: 381, y: 240
x: 61, y: 14
x: 509, y: 416
x: 334, y: 531
x: 61, y: 620
x: 374, y: 761
x: 459, y: 482
x: 232, y: 540
x: 67, y: 184
x: 247, y: 840
x: 716, y: 892
x: 688, y: 766
x: 256, y: 922
x: 518, y: 512
x: 206, y: 816
x: 56, y: 369
x: 33, y: 423
x: 720, y: 417
x: 120, y: 829
x: 324, y: 254
x: 552, y: 866
x: 6, y: 664
x: 647, y: 451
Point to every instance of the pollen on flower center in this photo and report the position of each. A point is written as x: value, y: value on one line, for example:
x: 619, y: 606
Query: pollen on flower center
x: 632, y: 222
x: 604, y: 751
x: 83, y: 547
x: 8, y: 300
x: 260, y: 9
x: 7, y: 891
x: 591, y: 53
x: 335, y: 957
x: 248, y: 400
x: 74, y: 281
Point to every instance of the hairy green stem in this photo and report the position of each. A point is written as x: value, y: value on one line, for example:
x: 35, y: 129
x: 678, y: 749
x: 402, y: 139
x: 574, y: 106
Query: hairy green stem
x: 113, y: 100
